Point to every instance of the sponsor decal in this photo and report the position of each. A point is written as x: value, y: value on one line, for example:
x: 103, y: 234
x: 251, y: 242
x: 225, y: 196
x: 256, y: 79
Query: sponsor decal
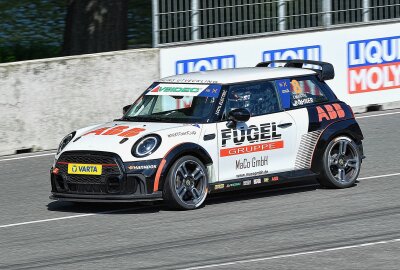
x: 142, y: 167
x: 88, y: 169
x: 247, y: 183
x: 275, y: 178
x: 251, y: 148
x: 237, y: 184
x: 306, y: 53
x: 219, y: 186
x: 257, y: 181
x: 182, y: 133
x: 253, y: 134
x: 251, y: 163
x: 266, y: 179
x: 301, y: 99
x: 373, y: 64
x: 176, y: 89
x: 251, y: 174
x: 330, y: 112
x: 284, y: 91
x: 207, y: 63
x: 122, y: 131
x: 221, y: 102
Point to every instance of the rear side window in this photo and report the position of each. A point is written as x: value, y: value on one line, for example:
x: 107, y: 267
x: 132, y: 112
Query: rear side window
x: 298, y: 92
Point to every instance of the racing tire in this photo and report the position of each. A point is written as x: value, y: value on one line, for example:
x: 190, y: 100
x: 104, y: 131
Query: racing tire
x: 341, y: 163
x: 186, y: 185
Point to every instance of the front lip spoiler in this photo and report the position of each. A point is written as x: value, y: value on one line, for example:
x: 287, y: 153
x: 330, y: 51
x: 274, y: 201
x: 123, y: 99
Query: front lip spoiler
x: 156, y: 196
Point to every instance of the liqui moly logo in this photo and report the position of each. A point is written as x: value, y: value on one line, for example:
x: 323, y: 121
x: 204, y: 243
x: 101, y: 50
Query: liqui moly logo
x: 373, y: 64
x: 305, y: 53
x: 203, y: 64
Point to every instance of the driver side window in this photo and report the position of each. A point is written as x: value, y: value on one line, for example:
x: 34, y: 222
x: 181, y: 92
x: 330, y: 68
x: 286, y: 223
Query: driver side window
x: 259, y: 98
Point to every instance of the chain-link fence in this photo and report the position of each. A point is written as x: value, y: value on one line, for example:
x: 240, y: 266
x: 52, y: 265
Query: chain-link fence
x: 176, y: 21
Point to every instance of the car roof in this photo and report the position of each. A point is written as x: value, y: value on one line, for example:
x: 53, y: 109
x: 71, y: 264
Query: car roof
x: 235, y: 75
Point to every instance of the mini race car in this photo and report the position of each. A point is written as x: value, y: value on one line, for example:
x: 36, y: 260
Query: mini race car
x: 213, y: 131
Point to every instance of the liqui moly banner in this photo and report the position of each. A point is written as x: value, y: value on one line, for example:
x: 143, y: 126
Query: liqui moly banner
x: 374, y: 64
x: 366, y: 58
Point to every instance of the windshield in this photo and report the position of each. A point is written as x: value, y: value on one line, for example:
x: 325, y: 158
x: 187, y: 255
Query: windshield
x: 179, y: 103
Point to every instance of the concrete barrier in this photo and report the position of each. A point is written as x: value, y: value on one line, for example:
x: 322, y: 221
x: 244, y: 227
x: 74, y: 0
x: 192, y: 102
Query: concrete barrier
x: 43, y: 100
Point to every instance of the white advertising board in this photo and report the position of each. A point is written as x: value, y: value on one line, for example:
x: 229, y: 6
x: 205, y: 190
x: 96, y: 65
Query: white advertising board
x: 366, y: 58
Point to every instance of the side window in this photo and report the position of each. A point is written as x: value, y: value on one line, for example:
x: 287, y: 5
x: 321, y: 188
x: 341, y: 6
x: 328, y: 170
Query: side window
x: 299, y: 92
x: 259, y: 98
x: 305, y: 91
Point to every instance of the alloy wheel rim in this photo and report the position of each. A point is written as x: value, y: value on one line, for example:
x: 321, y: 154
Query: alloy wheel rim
x: 343, y: 161
x: 190, y: 182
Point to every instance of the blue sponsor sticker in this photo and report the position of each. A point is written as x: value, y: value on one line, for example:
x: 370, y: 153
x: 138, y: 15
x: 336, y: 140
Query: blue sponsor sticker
x: 284, y: 92
x: 211, y: 91
x: 206, y: 63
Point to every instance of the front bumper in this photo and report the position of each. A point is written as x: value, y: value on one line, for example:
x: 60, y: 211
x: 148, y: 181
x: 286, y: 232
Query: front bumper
x: 118, y: 182
x: 106, y: 198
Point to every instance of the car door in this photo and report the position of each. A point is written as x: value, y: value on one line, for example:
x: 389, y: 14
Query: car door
x: 262, y: 145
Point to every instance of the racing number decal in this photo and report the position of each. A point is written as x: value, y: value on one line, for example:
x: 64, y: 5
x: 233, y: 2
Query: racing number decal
x: 296, y: 87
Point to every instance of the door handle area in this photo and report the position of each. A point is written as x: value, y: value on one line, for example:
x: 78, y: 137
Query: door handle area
x: 284, y: 125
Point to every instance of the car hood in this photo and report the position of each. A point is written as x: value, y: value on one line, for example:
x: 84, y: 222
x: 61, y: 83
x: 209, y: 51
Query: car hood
x: 120, y: 136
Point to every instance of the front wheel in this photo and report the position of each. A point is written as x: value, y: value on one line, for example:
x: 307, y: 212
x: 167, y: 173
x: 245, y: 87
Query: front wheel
x: 186, y: 185
x: 341, y: 163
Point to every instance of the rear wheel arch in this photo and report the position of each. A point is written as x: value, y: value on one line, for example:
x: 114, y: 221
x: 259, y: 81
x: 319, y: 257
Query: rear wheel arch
x: 348, y: 128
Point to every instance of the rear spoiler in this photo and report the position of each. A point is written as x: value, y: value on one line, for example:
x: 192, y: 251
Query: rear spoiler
x: 327, y: 72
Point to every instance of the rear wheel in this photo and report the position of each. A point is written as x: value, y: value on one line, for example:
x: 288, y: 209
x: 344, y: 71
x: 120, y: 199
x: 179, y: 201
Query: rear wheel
x: 186, y: 185
x: 341, y: 163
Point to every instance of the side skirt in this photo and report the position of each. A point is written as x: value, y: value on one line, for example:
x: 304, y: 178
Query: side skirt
x: 262, y: 180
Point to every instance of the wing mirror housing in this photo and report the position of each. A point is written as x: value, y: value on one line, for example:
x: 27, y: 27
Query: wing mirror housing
x: 126, y: 108
x: 239, y: 115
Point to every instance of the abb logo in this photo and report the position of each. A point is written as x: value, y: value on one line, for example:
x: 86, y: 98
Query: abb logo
x: 330, y: 112
x: 118, y: 130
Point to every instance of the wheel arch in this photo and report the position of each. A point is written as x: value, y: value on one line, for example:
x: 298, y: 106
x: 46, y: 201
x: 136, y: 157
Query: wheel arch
x: 180, y: 150
x: 348, y: 127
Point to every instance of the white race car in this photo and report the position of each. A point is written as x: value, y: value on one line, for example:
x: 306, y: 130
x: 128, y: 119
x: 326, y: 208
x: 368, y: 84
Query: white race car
x: 192, y: 134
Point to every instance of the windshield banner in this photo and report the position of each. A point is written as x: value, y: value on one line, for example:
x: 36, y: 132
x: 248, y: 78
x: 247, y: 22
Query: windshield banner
x: 202, y: 90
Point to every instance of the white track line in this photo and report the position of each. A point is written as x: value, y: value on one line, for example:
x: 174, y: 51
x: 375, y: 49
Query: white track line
x: 293, y: 254
x: 70, y: 217
x: 128, y: 209
x: 379, y: 176
x: 24, y: 157
x: 376, y: 115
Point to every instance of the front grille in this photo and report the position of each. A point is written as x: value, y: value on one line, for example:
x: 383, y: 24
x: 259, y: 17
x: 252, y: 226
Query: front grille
x: 109, y: 182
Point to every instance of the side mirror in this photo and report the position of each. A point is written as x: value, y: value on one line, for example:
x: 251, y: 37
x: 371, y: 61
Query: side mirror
x: 237, y: 116
x: 126, y: 108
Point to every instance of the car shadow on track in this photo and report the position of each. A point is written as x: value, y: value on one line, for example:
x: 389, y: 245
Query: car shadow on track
x: 154, y: 207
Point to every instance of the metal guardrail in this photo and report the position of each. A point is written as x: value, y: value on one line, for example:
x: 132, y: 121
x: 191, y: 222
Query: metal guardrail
x: 180, y: 21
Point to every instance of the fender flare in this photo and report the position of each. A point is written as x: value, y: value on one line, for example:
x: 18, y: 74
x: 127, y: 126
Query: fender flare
x: 175, y: 153
x: 348, y: 127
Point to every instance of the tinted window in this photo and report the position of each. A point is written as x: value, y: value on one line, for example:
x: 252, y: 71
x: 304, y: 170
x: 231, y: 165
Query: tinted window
x: 259, y: 98
x: 304, y: 91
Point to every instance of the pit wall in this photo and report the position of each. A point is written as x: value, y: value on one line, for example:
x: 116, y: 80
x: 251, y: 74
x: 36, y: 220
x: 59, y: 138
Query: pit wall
x: 366, y: 59
x: 43, y: 100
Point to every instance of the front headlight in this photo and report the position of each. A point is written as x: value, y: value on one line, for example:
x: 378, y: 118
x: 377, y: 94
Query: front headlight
x: 146, y: 146
x: 65, y: 141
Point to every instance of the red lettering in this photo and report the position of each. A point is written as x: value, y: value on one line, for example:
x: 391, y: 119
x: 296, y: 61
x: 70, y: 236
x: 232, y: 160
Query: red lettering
x: 115, y: 130
x: 131, y: 132
x: 332, y: 113
x: 322, y: 114
x: 339, y: 110
x: 97, y: 131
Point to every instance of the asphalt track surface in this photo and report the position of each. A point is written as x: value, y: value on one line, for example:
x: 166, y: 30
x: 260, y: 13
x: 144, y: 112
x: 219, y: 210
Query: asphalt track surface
x: 303, y: 227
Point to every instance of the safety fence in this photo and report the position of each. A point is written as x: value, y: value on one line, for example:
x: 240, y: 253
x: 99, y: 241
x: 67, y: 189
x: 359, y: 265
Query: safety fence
x: 179, y: 21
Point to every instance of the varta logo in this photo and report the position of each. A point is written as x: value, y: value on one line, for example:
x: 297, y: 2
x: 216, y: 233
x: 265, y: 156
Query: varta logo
x: 203, y: 64
x: 84, y: 169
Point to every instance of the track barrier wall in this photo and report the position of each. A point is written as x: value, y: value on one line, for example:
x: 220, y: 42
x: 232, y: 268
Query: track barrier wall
x: 41, y: 101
